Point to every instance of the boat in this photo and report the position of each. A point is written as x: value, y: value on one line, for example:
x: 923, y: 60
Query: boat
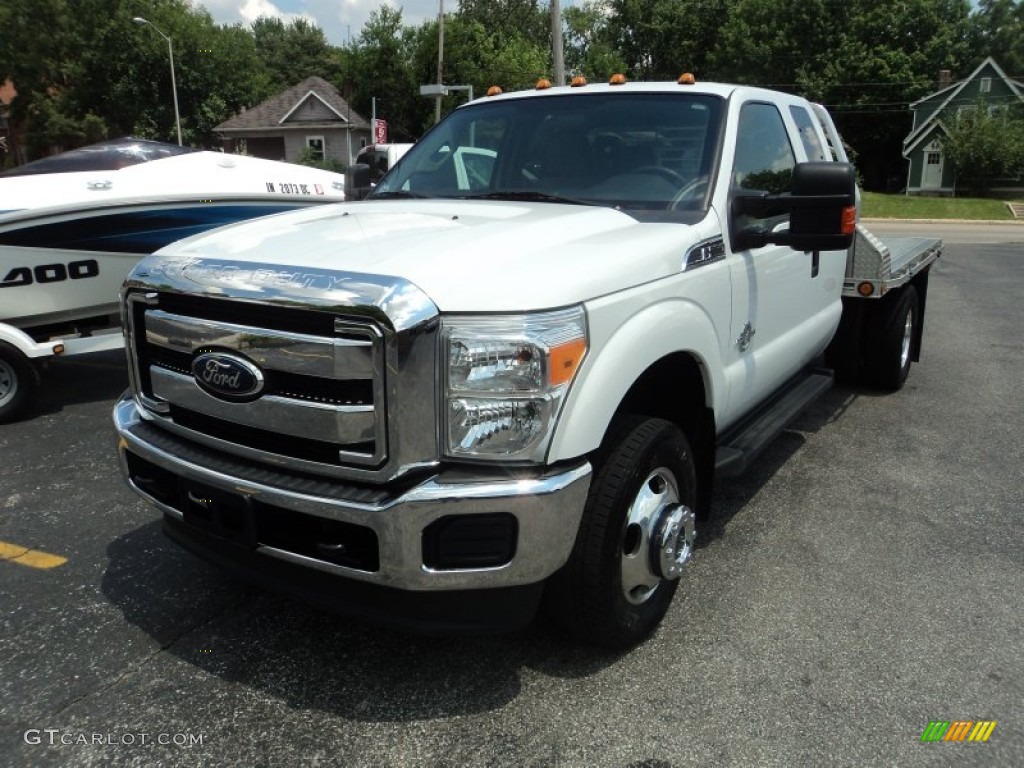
x: 72, y: 226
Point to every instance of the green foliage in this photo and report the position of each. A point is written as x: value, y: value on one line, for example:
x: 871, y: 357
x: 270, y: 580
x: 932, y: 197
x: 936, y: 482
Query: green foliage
x: 589, y: 48
x: 289, y: 53
x: 378, y: 67
x: 505, y: 20
x: 311, y: 157
x: 866, y: 60
x: 982, y: 147
x: 998, y: 31
x: 660, y: 39
x: 84, y: 70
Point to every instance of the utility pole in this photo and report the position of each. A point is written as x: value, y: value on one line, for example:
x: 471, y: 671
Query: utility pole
x: 440, y: 59
x: 557, y: 57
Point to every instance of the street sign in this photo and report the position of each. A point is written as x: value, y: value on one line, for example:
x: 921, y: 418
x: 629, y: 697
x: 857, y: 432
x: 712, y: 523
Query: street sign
x: 434, y: 90
x: 380, y: 131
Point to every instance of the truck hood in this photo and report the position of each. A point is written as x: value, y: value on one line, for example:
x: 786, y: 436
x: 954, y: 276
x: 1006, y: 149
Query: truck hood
x: 467, y: 256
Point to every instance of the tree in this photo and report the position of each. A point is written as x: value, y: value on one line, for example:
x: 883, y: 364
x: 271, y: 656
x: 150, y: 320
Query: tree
x: 505, y: 20
x: 998, y: 31
x: 289, y: 53
x: 984, y: 145
x: 84, y: 71
x: 867, y: 61
x: 589, y: 50
x: 378, y: 66
x: 660, y: 39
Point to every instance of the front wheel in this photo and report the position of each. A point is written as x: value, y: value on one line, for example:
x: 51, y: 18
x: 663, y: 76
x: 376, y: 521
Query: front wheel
x: 635, y: 538
x: 18, y: 382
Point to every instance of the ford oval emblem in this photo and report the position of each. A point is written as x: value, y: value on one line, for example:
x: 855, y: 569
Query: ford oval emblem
x: 227, y: 376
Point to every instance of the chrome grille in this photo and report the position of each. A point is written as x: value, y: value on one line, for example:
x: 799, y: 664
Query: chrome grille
x: 348, y: 362
x: 323, y: 404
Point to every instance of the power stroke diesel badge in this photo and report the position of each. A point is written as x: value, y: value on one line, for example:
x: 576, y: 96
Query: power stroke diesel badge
x: 227, y: 376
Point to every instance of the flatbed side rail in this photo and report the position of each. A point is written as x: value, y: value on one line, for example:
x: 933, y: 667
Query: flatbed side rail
x: 885, y: 265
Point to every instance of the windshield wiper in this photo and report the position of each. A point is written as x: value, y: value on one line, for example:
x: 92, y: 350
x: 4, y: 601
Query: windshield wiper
x: 398, y: 194
x: 526, y: 196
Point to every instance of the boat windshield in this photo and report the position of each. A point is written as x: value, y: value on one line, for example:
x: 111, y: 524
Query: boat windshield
x: 650, y: 155
x: 106, y: 156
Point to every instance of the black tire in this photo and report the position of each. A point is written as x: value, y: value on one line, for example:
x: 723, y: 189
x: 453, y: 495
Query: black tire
x: 19, y: 380
x: 590, y: 598
x: 892, y: 341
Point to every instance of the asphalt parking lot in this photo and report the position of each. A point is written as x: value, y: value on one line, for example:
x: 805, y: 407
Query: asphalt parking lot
x: 863, y: 579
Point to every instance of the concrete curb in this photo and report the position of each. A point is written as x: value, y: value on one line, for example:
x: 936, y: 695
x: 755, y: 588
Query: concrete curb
x: 944, y: 221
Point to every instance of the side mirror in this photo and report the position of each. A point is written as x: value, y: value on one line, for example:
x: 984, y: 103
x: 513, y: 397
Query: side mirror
x: 821, y: 204
x: 357, y: 181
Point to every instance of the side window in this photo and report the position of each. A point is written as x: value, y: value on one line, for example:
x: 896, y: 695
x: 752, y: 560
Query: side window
x: 764, y: 160
x: 808, y: 136
x: 764, y: 156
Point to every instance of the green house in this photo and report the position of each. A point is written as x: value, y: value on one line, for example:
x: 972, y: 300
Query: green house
x: 928, y: 174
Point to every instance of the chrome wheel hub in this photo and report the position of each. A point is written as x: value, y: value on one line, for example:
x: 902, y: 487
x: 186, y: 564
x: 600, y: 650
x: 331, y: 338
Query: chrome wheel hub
x: 673, y: 544
x: 658, y: 537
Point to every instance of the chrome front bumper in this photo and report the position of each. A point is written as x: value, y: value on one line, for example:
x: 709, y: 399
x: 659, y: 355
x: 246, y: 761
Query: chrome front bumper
x: 546, y: 506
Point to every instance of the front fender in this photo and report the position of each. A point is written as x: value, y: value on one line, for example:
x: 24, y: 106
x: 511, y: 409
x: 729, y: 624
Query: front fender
x: 624, y: 343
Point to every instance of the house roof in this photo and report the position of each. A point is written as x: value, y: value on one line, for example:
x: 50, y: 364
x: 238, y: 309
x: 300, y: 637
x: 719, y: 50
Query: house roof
x: 933, y: 128
x: 951, y: 92
x: 273, y: 113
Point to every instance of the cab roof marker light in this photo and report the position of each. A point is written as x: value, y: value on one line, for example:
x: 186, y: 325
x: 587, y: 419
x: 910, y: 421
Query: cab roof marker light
x: 543, y: 84
x: 617, y: 79
x: 494, y: 90
x: 578, y: 82
x: 686, y: 78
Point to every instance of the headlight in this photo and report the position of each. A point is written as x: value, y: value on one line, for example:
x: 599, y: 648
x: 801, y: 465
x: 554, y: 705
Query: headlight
x: 505, y: 381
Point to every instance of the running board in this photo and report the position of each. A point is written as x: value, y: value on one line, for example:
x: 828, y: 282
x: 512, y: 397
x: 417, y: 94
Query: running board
x: 740, y: 446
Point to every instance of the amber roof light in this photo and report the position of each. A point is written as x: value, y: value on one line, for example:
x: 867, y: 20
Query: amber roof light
x: 686, y: 78
x: 617, y: 79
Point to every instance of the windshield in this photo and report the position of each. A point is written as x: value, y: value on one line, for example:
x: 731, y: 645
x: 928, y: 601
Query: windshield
x: 107, y: 156
x: 650, y: 154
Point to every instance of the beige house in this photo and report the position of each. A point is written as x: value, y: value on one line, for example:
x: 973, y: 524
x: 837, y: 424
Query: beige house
x: 310, y: 114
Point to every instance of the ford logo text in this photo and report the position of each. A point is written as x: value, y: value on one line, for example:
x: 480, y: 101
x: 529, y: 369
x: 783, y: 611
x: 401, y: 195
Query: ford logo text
x: 226, y: 376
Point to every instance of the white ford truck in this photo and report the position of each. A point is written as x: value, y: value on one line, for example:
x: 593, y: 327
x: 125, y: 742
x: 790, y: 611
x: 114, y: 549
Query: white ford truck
x: 509, y: 378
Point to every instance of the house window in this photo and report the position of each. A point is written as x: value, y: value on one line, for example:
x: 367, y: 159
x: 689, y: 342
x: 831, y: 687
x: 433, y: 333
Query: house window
x: 985, y: 85
x: 316, y: 146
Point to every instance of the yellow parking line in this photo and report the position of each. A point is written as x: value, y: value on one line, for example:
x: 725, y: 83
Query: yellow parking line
x: 33, y: 558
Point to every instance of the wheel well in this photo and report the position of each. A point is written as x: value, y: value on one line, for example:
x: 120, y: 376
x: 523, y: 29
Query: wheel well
x: 673, y: 389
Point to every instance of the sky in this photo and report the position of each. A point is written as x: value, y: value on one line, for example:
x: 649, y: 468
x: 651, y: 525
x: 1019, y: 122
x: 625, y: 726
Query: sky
x: 337, y: 18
